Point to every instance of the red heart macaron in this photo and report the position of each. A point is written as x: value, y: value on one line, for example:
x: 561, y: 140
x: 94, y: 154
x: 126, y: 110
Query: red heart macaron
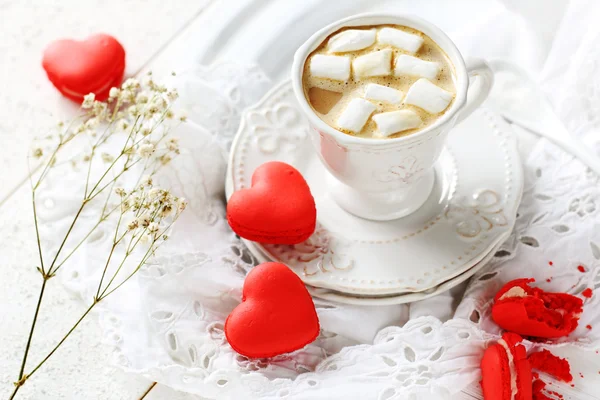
x: 277, y: 209
x: 530, y: 311
x: 77, y: 68
x: 276, y: 316
x: 506, y: 372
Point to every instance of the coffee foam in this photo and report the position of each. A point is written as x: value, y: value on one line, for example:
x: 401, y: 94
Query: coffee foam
x: 351, y: 89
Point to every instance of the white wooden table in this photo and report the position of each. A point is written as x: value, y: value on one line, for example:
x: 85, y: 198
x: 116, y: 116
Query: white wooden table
x: 154, y: 33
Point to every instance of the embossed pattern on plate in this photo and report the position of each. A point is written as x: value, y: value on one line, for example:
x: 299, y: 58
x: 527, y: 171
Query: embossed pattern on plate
x: 478, y: 188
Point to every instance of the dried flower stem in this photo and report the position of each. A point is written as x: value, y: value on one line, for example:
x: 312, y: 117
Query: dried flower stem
x: 150, y: 208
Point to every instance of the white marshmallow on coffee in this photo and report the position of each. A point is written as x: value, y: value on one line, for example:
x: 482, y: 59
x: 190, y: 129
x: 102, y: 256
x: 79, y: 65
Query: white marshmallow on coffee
x: 356, y: 115
x: 351, y: 40
x: 386, y: 94
x: 413, y: 66
x: 376, y: 63
x: 400, y: 39
x: 428, y: 96
x: 392, y: 122
x: 336, y: 68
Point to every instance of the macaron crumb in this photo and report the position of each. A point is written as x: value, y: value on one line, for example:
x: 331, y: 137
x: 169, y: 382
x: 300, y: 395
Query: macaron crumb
x: 587, y: 293
x: 538, y: 387
x: 589, y: 327
x: 547, y: 362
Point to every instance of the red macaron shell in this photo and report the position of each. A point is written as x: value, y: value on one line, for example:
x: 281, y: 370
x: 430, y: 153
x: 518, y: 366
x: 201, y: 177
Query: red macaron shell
x: 536, y: 313
x: 77, y: 68
x: 276, y: 316
x: 496, y: 371
x: 277, y: 209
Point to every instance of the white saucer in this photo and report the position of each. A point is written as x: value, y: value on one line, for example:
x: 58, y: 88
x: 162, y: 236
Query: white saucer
x: 386, y: 300
x: 478, y: 185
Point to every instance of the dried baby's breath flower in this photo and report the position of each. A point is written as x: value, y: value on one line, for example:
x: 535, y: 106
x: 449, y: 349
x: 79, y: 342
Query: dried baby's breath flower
x: 146, y: 129
x: 133, y: 111
x: 122, y: 124
x: 38, y: 152
x: 125, y: 205
x: 88, y: 101
x: 147, y: 180
x: 154, y: 193
x: 144, y: 220
x: 131, y: 84
x: 173, y: 144
x: 169, y: 114
x: 172, y: 94
x: 100, y: 110
x: 165, y: 159
x: 141, y: 98
x: 182, y: 116
x: 167, y: 209
x: 120, y: 192
x: 133, y: 224
x: 107, y: 157
x: 92, y: 123
x: 181, y: 204
x: 153, y: 227
x: 146, y: 150
x: 114, y: 93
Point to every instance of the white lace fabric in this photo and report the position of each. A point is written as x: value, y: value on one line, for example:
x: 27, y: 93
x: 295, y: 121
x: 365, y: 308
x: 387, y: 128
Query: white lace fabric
x: 168, y: 323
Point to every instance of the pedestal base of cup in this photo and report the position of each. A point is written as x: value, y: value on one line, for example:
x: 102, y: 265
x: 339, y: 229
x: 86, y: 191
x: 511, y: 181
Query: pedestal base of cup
x: 383, y: 206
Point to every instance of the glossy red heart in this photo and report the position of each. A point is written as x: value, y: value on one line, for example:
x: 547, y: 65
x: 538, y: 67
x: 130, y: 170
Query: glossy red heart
x: 276, y: 316
x: 77, y: 68
x: 277, y: 209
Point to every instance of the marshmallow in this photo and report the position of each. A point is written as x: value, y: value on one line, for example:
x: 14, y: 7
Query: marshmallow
x: 413, y: 66
x: 331, y: 67
x: 428, y: 96
x: 400, y: 39
x: 383, y: 93
x: 376, y: 63
x: 355, y: 116
x: 351, y: 40
x: 392, y: 122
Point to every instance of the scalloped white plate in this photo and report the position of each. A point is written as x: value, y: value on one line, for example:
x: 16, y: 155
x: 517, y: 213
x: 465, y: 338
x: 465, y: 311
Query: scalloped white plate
x: 478, y: 187
x: 387, y: 300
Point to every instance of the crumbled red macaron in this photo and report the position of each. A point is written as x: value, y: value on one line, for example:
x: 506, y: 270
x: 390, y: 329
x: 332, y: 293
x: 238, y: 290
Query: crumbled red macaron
x: 547, y: 362
x: 530, y: 311
x: 538, y: 387
x: 581, y: 268
x: 587, y: 293
x: 506, y: 371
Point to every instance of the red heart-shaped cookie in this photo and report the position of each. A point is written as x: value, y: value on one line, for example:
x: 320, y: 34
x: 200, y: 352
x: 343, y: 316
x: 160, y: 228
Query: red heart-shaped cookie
x: 277, y: 209
x: 77, y: 68
x: 276, y: 316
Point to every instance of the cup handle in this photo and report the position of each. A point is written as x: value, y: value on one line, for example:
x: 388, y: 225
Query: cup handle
x: 481, y: 79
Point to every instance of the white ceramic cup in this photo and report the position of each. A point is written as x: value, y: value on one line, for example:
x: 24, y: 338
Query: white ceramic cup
x: 384, y: 179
